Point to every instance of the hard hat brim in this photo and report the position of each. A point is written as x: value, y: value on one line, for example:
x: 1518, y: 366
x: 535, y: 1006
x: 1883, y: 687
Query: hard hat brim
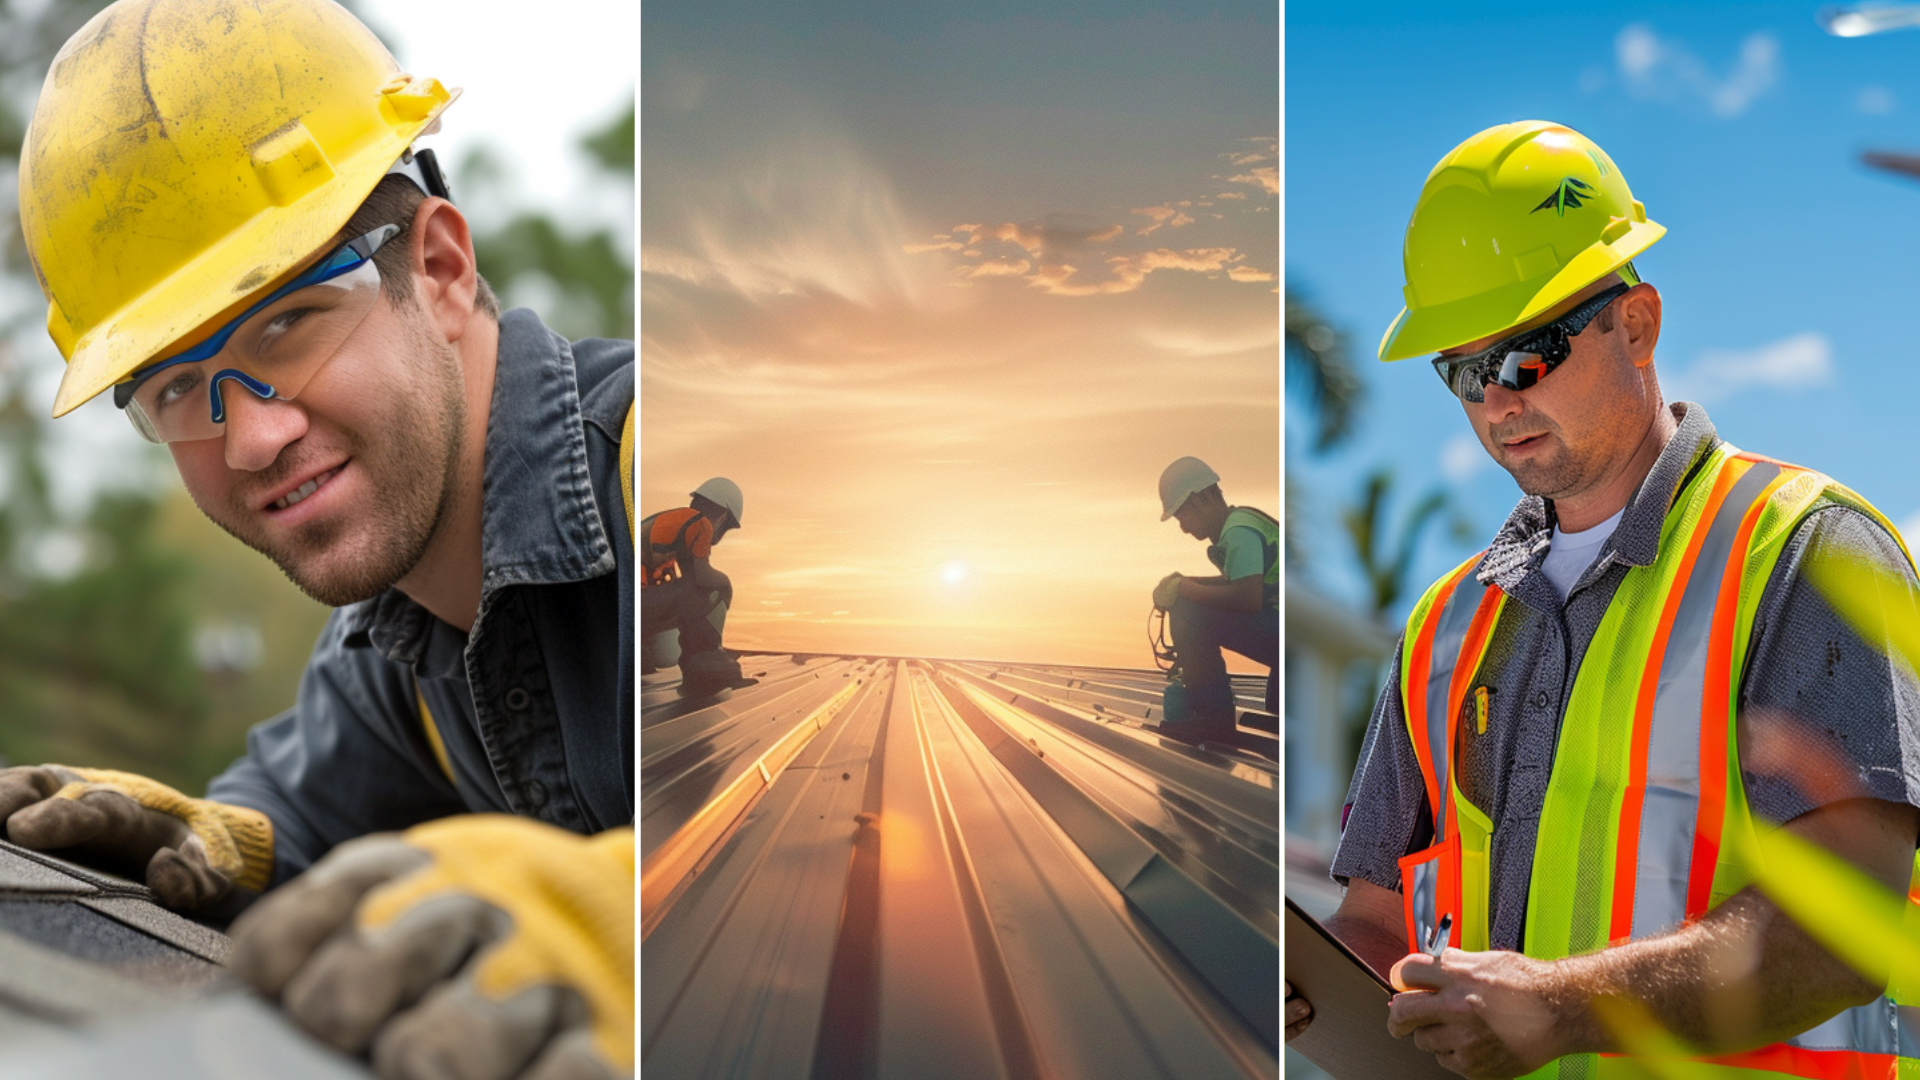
x: 258, y: 252
x: 1429, y: 329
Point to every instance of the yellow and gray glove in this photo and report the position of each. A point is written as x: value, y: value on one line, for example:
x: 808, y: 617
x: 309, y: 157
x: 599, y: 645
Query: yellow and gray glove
x: 478, y: 947
x: 194, y: 854
x: 1165, y: 593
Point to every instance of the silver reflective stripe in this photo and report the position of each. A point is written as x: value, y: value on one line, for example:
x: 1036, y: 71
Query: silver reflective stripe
x: 1672, y: 800
x: 1873, y: 1028
x: 1424, y: 899
x: 1448, y: 635
x: 1907, y: 1026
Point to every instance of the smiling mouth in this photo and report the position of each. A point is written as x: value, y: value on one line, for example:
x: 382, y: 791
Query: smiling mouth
x: 300, y: 493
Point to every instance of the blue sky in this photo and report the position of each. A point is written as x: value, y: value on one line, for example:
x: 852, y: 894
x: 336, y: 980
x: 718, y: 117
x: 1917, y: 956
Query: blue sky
x: 1790, y: 271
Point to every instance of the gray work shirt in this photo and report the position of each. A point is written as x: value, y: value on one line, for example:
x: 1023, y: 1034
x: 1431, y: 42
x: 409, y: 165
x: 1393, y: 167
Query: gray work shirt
x: 535, y: 706
x: 1809, y: 679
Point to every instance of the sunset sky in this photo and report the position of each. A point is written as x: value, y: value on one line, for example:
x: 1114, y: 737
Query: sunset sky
x: 943, y: 296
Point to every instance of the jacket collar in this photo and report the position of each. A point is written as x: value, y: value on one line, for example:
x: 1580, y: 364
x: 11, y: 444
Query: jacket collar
x: 539, y: 521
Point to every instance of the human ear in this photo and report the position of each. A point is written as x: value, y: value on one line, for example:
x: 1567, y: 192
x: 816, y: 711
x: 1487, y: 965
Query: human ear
x: 1639, y: 318
x: 445, y: 276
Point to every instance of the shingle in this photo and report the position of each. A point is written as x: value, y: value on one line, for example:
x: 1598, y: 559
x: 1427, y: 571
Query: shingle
x: 183, y: 934
x: 20, y: 874
x: 233, y: 1035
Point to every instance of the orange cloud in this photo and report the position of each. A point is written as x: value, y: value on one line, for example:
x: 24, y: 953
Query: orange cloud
x: 1267, y: 177
x: 1170, y: 216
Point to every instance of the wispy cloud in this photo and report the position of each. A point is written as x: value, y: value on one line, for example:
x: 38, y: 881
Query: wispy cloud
x: 1875, y: 101
x: 1797, y: 362
x: 1065, y: 254
x: 1461, y: 457
x: 1667, y: 69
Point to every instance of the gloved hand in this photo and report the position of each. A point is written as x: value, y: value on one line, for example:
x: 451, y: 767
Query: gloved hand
x: 1165, y: 593
x: 192, y: 853
x: 478, y: 947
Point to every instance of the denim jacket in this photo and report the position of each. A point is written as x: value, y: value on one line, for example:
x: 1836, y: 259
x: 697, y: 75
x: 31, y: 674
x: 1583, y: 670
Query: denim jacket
x: 535, y: 707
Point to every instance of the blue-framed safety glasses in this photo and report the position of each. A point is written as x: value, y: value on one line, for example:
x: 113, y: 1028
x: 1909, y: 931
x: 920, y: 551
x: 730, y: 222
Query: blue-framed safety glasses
x: 273, y: 348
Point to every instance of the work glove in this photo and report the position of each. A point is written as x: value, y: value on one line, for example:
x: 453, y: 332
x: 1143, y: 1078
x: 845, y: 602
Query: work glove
x: 478, y: 947
x: 1165, y: 593
x: 197, y: 856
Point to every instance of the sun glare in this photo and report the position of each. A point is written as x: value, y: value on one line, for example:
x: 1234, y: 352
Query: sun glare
x: 954, y: 573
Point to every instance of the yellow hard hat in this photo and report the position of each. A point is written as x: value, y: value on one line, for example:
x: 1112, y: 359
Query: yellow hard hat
x: 1510, y: 223
x: 186, y: 153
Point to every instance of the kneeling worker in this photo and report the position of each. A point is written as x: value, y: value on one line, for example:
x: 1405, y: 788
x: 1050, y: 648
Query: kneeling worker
x: 1237, y: 609
x: 681, y: 591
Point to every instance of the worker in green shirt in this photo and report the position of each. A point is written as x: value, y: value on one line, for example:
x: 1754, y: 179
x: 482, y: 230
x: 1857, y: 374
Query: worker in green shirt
x: 1237, y: 609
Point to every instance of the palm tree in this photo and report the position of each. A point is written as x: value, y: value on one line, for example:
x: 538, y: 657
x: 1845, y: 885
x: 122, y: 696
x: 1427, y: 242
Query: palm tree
x: 1386, y: 561
x: 1319, y: 353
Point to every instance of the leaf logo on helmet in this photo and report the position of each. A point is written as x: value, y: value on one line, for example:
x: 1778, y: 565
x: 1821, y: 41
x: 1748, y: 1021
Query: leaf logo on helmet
x: 1567, y: 196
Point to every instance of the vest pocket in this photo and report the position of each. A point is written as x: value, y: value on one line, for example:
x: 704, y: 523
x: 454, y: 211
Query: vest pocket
x: 1427, y: 891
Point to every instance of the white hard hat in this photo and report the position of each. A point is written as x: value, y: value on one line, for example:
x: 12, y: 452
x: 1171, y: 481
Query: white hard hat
x: 725, y: 492
x: 1180, y: 480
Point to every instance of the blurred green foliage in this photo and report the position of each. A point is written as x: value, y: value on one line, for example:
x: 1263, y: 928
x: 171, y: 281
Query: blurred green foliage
x: 134, y: 633
x: 592, y: 271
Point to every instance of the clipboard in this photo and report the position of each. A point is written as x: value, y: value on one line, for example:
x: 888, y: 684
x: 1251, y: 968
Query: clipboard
x: 1348, y: 1037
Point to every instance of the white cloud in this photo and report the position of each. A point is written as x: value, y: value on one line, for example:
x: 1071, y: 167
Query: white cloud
x: 1910, y: 528
x: 1461, y: 457
x: 1799, y: 361
x: 1875, y: 101
x: 1664, y: 69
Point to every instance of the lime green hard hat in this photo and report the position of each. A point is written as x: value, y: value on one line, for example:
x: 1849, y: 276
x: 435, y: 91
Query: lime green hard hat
x: 1511, y: 222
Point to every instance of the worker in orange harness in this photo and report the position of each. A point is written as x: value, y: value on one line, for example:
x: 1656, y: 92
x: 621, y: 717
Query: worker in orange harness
x: 1589, y: 724
x: 683, y: 599
x: 240, y: 243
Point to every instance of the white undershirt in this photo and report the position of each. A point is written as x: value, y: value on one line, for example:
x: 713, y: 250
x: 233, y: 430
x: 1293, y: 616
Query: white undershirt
x: 1572, y: 553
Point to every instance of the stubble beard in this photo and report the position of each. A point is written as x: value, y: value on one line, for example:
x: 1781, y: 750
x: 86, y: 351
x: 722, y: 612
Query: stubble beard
x: 411, y: 474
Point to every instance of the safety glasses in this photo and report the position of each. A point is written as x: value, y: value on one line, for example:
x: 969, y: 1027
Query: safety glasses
x: 1525, y: 358
x: 273, y: 348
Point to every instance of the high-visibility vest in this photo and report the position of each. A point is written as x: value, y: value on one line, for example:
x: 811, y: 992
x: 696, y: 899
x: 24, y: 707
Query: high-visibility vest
x: 1645, y: 824
x: 666, y: 539
x: 1269, y: 529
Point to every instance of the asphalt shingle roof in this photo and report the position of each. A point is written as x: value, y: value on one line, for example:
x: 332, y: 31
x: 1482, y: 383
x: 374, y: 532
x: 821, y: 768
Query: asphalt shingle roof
x: 97, y: 982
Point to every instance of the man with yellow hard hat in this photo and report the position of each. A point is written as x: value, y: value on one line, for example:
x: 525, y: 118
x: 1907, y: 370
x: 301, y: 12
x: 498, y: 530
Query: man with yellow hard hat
x: 1589, y: 726
x: 239, y: 242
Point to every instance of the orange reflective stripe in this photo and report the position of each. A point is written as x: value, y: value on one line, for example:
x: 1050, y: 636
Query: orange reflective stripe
x: 1814, y: 1064
x: 1715, y: 701
x: 1627, y: 850
x: 1413, y: 685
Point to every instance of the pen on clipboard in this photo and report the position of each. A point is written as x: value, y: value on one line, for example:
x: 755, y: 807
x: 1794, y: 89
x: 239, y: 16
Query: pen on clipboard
x: 1437, y: 940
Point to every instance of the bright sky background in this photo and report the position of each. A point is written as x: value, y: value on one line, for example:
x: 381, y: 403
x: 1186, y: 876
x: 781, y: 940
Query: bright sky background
x: 943, y: 293
x: 531, y: 88
x: 1790, y: 272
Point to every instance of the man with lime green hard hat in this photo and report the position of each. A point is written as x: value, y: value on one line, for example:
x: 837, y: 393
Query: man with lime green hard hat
x: 242, y: 244
x: 1590, y: 728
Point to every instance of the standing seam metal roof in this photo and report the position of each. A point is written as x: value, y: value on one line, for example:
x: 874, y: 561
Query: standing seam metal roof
x: 880, y: 867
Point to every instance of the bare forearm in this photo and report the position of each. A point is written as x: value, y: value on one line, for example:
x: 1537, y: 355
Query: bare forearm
x: 1378, y: 947
x: 1242, y: 595
x: 1743, y: 976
